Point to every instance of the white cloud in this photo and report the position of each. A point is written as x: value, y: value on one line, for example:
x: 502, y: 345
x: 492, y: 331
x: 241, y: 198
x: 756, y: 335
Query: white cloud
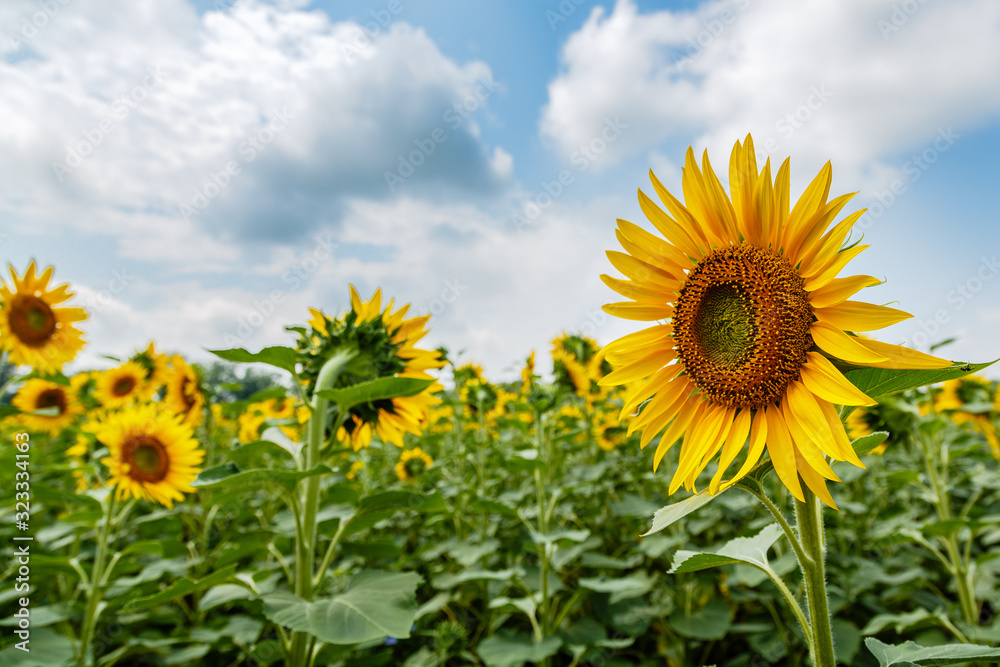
x: 864, y: 78
x: 118, y: 115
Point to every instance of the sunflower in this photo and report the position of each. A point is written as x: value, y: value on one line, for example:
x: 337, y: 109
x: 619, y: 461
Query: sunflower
x: 753, y: 313
x: 467, y: 373
x: 34, y: 332
x: 37, y: 394
x: 528, y: 374
x: 970, y: 400
x: 154, y: 364
x: 119, y: 386
x: 356, y: 467
x: 184, y: 394
x: 412, y: 464
x: 386, y: 343
x: 77, y: 459
x: 153, y: 454
x: 578, y: 365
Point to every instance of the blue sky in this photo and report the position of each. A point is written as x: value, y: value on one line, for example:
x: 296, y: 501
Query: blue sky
x: 246, y: 160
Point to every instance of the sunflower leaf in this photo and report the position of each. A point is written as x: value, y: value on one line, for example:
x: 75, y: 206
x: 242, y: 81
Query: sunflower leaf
x: 915, y: 654
x: 748, y: 550
x: 376, y: 604
x: 181, y: 587
x: 229, y: 475
x: 865, y: 445
x: 276, y: 355
x: 671, y: 513
x: 877, y: 382
x: 375, y: 390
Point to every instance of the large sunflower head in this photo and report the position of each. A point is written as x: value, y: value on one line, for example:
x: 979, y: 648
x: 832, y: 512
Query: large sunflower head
x: 153, y: 454
x: 753, y: 318
x: 184, y: 395
x: 57, y: 402
x: 385, y: 342
x: 122, y: 385
x: 32, y: 329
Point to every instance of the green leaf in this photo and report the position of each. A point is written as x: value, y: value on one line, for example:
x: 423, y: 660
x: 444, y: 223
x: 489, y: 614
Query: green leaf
x: 223, y: 594
x: 711, y: 622
x: 401, y: 500
x: 277, y: 356
x: 47, y: 649
x: 671, y: 513
x: 375, y: 390
x: 915, y: 654
x: 229, y: 475
x: 493, y: 506
x: 749, y: 550
x: 900, y: 622
x: 446, y: 581
x: 182, y: 587
x: 621, y: 588
x: 376, y: 605
x: 884, y: 381
x: 278, y: 437
x: 514, y: 649
x: 371, y: 549
x: 866, y: 444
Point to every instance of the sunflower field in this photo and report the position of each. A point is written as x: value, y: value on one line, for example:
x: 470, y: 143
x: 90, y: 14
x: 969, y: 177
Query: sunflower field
x: 351, y: 498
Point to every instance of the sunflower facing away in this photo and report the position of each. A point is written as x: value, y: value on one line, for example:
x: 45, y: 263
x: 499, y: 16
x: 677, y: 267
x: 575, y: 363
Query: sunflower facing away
x: 386, y: 342
x: 753, y: 313
x: 184, y: 392
x: 32, y: 329
x: 153, y: 454
x: 37, y: 394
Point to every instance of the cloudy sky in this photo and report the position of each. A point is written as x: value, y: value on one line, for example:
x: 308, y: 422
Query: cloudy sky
x: 204, y: 172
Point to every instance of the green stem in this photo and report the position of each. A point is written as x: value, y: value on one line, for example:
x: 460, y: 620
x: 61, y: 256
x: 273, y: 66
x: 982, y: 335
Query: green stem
x: 809, y: 520
x: 305, y: 533
x: 96, y: 579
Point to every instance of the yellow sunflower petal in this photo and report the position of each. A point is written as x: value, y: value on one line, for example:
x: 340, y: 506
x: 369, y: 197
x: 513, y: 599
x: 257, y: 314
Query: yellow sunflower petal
x: 842, y: 346
x: 840, y: 289
x: 782, y: 451
x: 860, y: 316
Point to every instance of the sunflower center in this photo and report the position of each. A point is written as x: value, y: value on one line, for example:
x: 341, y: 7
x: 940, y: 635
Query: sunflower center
x: 724, y: 325
x: 123, y: 386
x: 146, y: 458
x: 741, y: 326
x: 415, y: 467
x: 51, y: 398
x: 32, y: 320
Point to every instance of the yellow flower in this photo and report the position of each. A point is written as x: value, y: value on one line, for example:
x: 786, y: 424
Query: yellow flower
x: 122, y: 385
x: 32, y: 330
x: 387, y: 347
x: 356, y: 467
x: 976, y: 393
x: 154, y: 365
x: 153, y: 454
x: 76, y: 454
x: 528, y: 373
x: 753, y: 311
x: 39, y: 394
x: 412, y: 464
x: 184, y: 395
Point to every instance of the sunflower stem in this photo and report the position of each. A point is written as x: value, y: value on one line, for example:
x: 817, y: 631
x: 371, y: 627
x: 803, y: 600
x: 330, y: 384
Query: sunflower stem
x: 809, y: 521
x: 305, y: 534
x: 96, y: 581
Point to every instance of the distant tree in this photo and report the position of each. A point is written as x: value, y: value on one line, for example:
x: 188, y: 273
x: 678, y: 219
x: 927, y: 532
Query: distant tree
x: 225, y: 383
